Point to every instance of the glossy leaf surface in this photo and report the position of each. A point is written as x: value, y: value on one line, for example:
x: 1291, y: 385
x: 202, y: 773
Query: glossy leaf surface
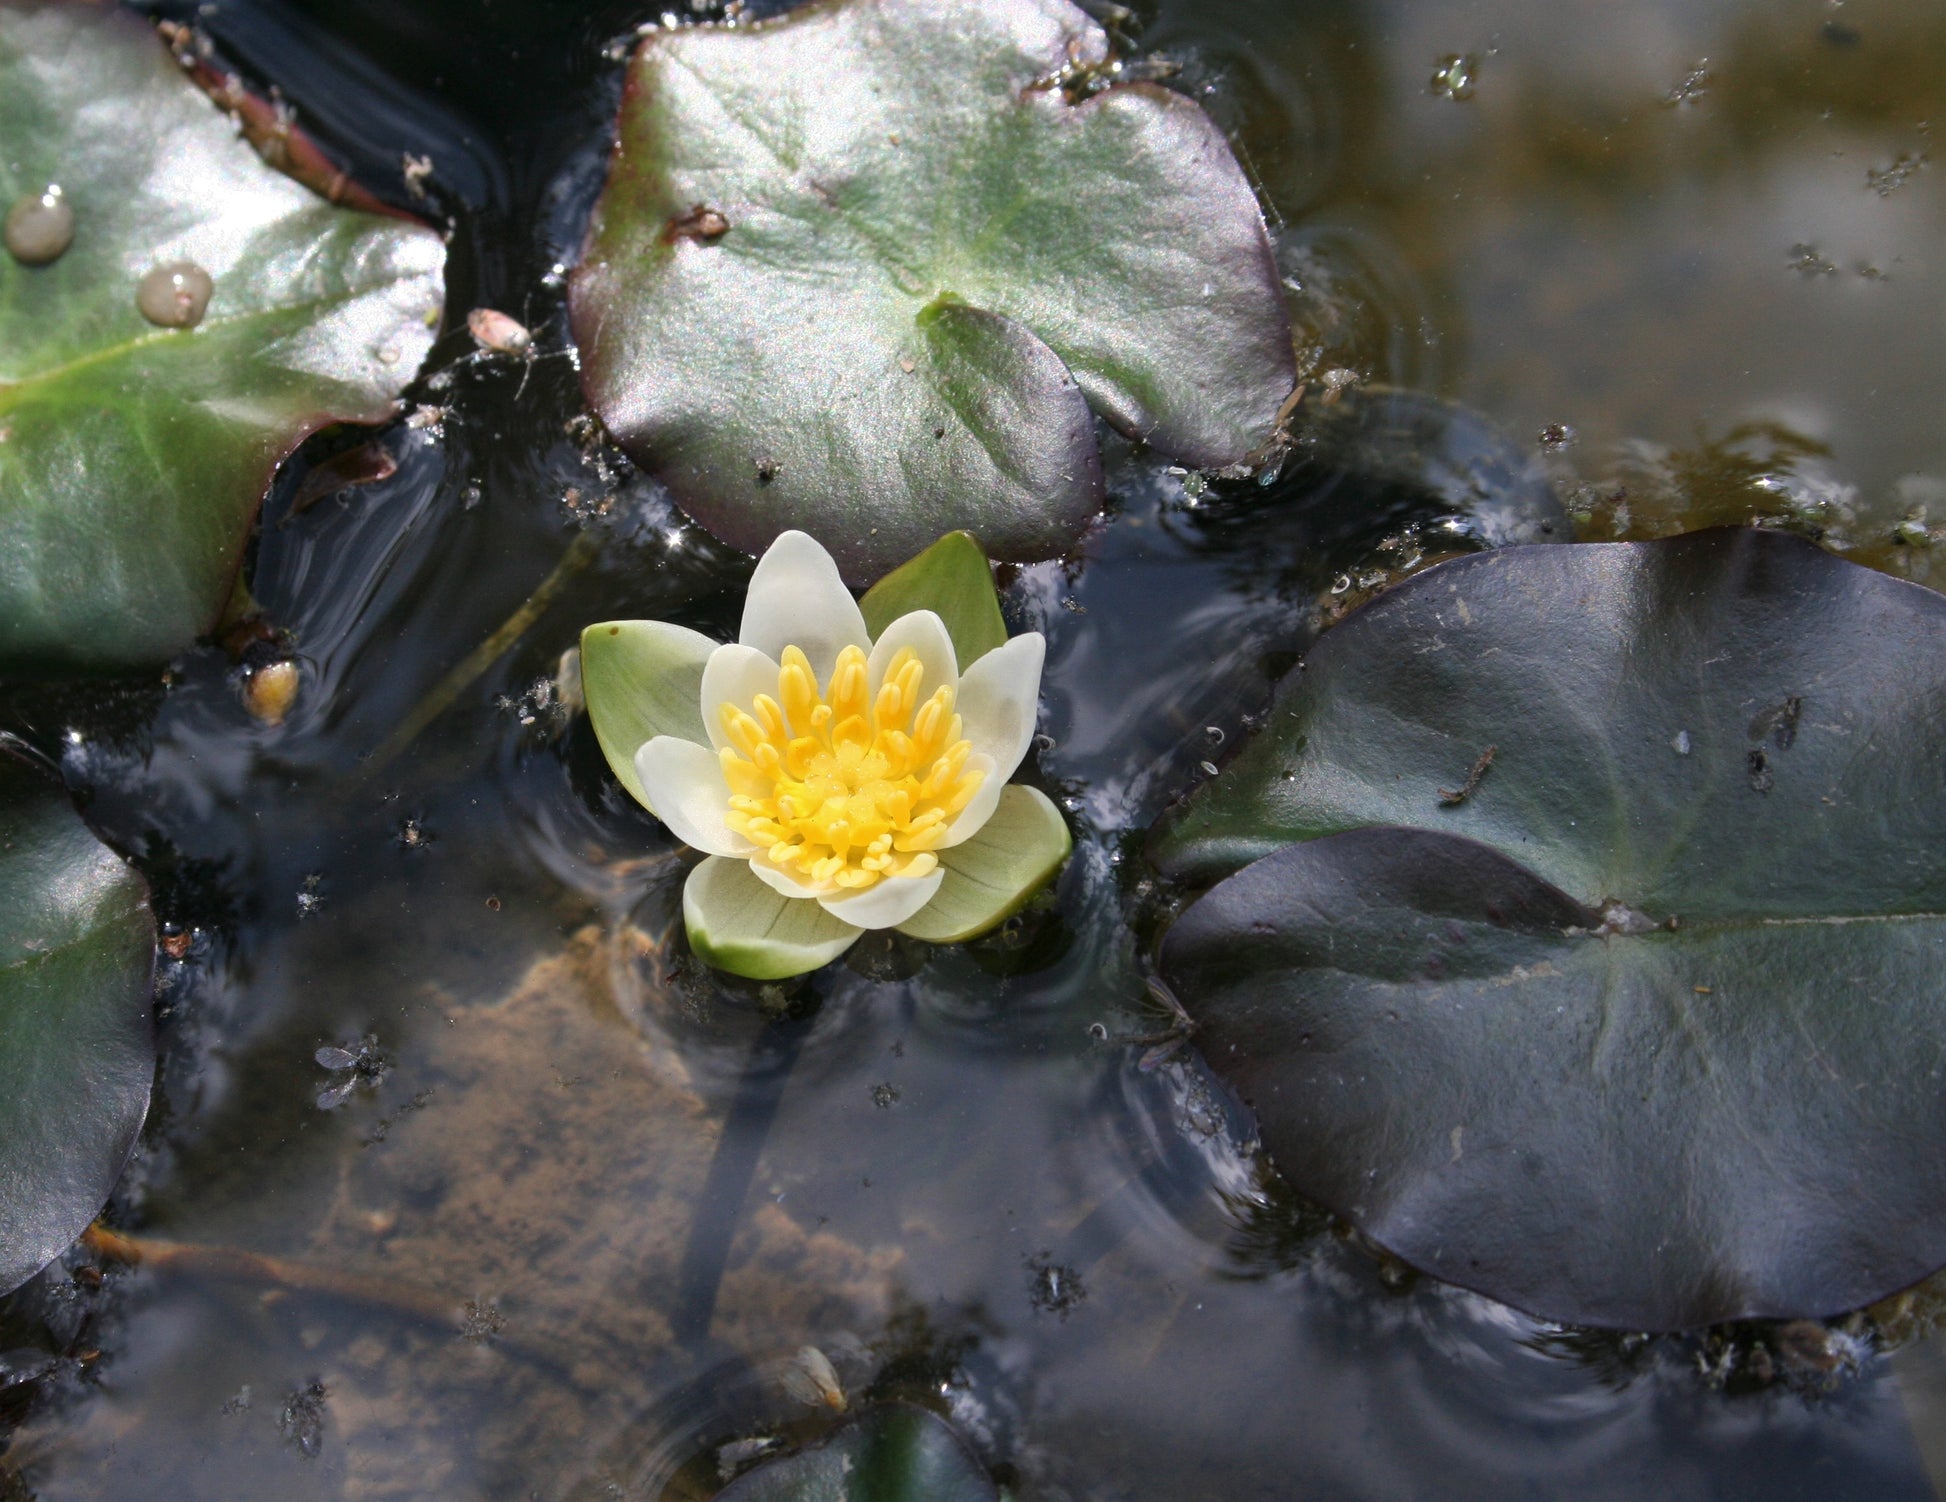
x: 864, y: 270
x: 1656, y: 1042
x: 134, y: 457
x: 77, y: 951
x: 893, y: 1453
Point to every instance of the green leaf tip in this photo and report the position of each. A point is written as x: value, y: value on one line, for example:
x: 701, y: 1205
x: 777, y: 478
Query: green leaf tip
x: 642, y: 679
x: 737, y: 924
x: 953, y: 579
x: 993, y: 875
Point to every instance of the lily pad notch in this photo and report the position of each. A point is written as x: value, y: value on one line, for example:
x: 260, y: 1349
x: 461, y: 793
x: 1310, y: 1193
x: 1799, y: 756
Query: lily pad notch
x: 1649, y: 1029
x: 77, y: 1051
x: 869, y: 270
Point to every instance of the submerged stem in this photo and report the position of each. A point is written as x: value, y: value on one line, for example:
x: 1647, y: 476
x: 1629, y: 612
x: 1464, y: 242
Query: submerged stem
x: 234, y: 1265
x: 581, y: 552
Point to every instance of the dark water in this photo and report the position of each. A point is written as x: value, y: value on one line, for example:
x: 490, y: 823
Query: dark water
x: 589, y: 1203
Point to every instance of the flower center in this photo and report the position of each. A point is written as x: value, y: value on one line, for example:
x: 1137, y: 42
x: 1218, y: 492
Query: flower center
x: 848, y: 789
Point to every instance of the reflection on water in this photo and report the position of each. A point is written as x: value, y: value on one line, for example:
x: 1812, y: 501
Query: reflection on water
x: 565, y: 1244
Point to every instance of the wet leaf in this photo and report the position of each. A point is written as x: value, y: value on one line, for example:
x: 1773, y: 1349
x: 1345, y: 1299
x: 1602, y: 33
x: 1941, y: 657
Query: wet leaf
x: 133, y: 457
x: 892, y: 1453
x: 864, y: 269
x: 1644, y: 1030
x: 77, y: 952
x: 953, y: 579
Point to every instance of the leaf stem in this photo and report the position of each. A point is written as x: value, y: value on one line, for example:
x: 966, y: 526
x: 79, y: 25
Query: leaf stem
x: 581, y: 552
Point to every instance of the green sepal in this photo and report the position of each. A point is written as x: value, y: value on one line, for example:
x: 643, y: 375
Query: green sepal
x: 954, y: 580
x: 738, y: 924
x: 642, y: 679
x: 991, y: 876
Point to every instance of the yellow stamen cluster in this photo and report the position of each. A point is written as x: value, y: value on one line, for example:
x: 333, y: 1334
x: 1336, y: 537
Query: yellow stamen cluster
x: 848, y: 788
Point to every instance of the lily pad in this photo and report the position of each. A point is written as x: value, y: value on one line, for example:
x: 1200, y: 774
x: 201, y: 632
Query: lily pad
x: 133, y: 457
x: 893, y: 1453
x: 864, y: 269
x: 77, y: 954
x: 1637, y: 1022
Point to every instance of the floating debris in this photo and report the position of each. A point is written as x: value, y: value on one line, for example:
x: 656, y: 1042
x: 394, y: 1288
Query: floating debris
x: 311, y: 896
x: 1454, y: 797
x: 415, y: 170
x: 739, y: 1453
x: 1808, y: 260
x: 302, y: 1421
x: 1557, y: 436
x: 1454, y: 76
x: 482, y: 1323
x: 499, y: 334
x: 1885, y: 181
x: 175, y: 296
x: 271, y: 690
x: 700, y: 223
x: 40, y: 226
x: 1053, y: 1287
x: 885, y: 1096
x: 813, y: 1381
x: 1694, y: 85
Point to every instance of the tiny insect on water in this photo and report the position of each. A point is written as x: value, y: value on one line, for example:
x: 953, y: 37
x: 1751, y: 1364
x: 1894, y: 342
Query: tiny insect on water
x: 362, y: 1064
x: 498, y: 333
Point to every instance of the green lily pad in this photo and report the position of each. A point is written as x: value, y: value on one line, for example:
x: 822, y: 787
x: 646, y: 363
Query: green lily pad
x: 77, y: 955
x: 954, y: 580
x: 133, y: 457
x: 892, y: 1453
x: 1638, y: 1022
x: 865, y: 268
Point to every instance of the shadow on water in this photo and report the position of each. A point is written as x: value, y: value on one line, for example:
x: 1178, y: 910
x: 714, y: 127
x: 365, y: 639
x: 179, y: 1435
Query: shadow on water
x: 563, y: 1237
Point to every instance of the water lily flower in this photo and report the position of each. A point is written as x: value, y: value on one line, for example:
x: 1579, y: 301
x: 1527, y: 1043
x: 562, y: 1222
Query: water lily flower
x: 835, y: 782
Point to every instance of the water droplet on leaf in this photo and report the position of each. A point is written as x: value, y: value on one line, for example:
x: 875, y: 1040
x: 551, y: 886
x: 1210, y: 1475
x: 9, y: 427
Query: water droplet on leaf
x: 40, y: 226
x: 175, y: 296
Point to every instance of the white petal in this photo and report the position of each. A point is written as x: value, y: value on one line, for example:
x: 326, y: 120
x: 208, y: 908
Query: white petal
x: 966, y: 823
x: 735, y: 674
x: 1000, y: 700
x: 797, y: 600
x: 780, y: 880
x: 685, y: 785
x: 888, y: 904
x: 927, y: 635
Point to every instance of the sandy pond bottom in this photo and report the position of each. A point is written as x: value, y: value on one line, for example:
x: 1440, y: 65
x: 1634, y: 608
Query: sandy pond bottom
x: 494, y: 1263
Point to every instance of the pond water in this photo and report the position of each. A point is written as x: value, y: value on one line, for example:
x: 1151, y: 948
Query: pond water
x: 580, y: 1204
